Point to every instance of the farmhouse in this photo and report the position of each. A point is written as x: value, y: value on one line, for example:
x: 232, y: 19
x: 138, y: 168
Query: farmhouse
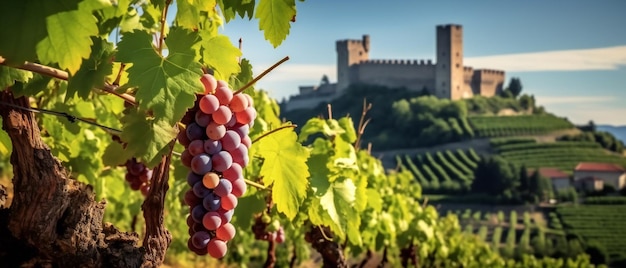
x: 560, y: 180
x: 610, y: 174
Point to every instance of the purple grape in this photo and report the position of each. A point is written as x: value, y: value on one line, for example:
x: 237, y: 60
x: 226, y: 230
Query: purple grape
x: 202, y: 119
x: 201, y: 164
x: 199, y: 190
x: 231, y: 140
x: 212, y: 147
x: 211, y: 202
x: 224, y: 188
x: 226, y: 215
x: 197, y: 213
x: 200, y: 239
x: 221, y: 161
x: 192, y: 178
x: 242, y: 129
x: 194, y: 132
x: 196, y: 147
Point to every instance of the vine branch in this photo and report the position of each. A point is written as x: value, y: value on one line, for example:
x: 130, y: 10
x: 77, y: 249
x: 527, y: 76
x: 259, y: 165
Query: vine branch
x: 163, y: 22
x: 63, y: 75
x: 272, y: 131
x: 261, y: 75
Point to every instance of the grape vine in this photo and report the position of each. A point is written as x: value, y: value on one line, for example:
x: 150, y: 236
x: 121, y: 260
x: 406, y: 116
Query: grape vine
x: 236, y: 167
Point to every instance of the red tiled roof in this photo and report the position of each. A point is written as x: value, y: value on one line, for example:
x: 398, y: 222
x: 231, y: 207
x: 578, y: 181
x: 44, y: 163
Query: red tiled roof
x: 551, y: 173
x: 602, y: 167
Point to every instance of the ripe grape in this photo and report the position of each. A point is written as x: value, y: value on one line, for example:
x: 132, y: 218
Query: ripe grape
x: 217, y: 248
x: 209, y: 104
x: 238, y: 103
x: 211, y: 220
x: 226, y: 232
x: 210, y: 180
x: 209, y: 82
x: 138, y: 176
x: 216, y: 140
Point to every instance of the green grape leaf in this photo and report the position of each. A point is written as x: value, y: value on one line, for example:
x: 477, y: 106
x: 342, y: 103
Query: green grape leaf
x: 274, y: 19
x: 374, y: 200
x: 9, y: 75
x: 220, y: 54
x: 243, y: 77
x: 248, y: 206
x: 284, y: 168
x: 5, y: 142
x: 349, y: 134
x: 93, y: 71
x: 166, y: 86
x: 115, y: 155
x: 147, y: 138
x: 35, y: 85
x: 190, y: 12
x: 313, y: 126
x: 242, y: 8
x: 24, y: 24
x: 68, y: 41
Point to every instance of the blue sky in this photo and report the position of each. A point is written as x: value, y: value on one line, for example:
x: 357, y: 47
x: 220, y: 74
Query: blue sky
x: 570, y: 54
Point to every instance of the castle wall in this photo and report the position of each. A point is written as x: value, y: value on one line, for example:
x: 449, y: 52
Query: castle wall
x: 487, y: 82
x: 411, y: 74
x: 468, y: 86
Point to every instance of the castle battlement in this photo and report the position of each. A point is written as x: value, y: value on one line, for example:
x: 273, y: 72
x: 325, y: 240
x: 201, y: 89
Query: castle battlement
x: 445, y: 76
x: 397, y: 62
x: 490, y: 71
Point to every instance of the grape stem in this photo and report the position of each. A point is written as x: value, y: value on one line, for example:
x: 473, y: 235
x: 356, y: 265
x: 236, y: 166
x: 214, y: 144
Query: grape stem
x: 63, y: 75
x: 255, y: 184
x: 273, y: 131
x: 261, y: 75
x: 163, y: 22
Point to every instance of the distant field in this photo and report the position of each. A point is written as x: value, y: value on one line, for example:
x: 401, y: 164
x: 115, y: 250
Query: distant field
x: 603, y: 223
x: 502, y: 126
x: 564, y: 155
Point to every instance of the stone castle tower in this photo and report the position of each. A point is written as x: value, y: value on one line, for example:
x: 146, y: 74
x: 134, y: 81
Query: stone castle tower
x: 449, y: 81
x: 448, y: 78
x: 350, y: 52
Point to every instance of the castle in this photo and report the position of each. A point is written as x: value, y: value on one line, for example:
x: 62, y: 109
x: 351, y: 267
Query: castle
x: 447, y: 78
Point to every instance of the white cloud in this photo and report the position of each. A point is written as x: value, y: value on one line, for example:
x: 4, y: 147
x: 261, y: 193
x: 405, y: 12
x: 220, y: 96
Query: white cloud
x: 608, y: 58
x: 548, y: 100
x: 302, y: 72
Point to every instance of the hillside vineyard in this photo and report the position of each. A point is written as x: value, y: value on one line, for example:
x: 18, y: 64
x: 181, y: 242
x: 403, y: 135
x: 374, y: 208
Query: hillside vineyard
x: 447, y: 78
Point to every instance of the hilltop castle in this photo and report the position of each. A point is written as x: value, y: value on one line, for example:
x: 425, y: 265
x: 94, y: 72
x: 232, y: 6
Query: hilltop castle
x: 447, y: 78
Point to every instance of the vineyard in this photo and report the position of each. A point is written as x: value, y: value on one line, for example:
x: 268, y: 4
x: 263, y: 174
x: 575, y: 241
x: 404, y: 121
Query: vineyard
x: 516, y: 232
x: 601, y: 223
x: 442, y: 171
x: 502, y: 126
x: 564, y: 155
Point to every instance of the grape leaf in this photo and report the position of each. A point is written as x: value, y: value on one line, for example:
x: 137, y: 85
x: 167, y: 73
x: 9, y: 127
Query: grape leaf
x: 347, y: 125
x: 147, y: 138
x: 24, y: 24
x: 243, y: 8
x: 189, y: 12
x: 68, y: 40
x: 115, y: 155
x: 5, y: 142
x: 284, y: 167
x: 220, y: 54
x: 93, y: 71
x: 9, y: 75
x: 166, y: 86
x: 274, y: 18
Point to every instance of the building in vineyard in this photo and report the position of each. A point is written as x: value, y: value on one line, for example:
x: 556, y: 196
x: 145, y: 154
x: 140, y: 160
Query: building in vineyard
x: 446, y: 78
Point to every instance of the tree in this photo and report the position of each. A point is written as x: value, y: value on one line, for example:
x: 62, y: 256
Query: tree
x: 496, y: 176
x: 515, y: 86
x: 325, y: 80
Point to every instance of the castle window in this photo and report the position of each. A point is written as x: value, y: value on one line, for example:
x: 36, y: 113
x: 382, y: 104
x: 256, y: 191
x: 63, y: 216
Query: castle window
x: 457, y: 54
x: 458, y: 65
x: 443, y: 83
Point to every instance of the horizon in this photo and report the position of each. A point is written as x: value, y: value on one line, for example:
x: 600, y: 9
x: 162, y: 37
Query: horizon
x: 569, y: 56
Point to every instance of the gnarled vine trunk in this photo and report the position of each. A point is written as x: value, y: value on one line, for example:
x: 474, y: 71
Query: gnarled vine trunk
x: 54, y: 221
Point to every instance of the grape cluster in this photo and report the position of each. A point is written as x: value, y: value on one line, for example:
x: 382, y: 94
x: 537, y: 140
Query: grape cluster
x: 216, y: 145
x: 266, y: 229
x: 138, y: 176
